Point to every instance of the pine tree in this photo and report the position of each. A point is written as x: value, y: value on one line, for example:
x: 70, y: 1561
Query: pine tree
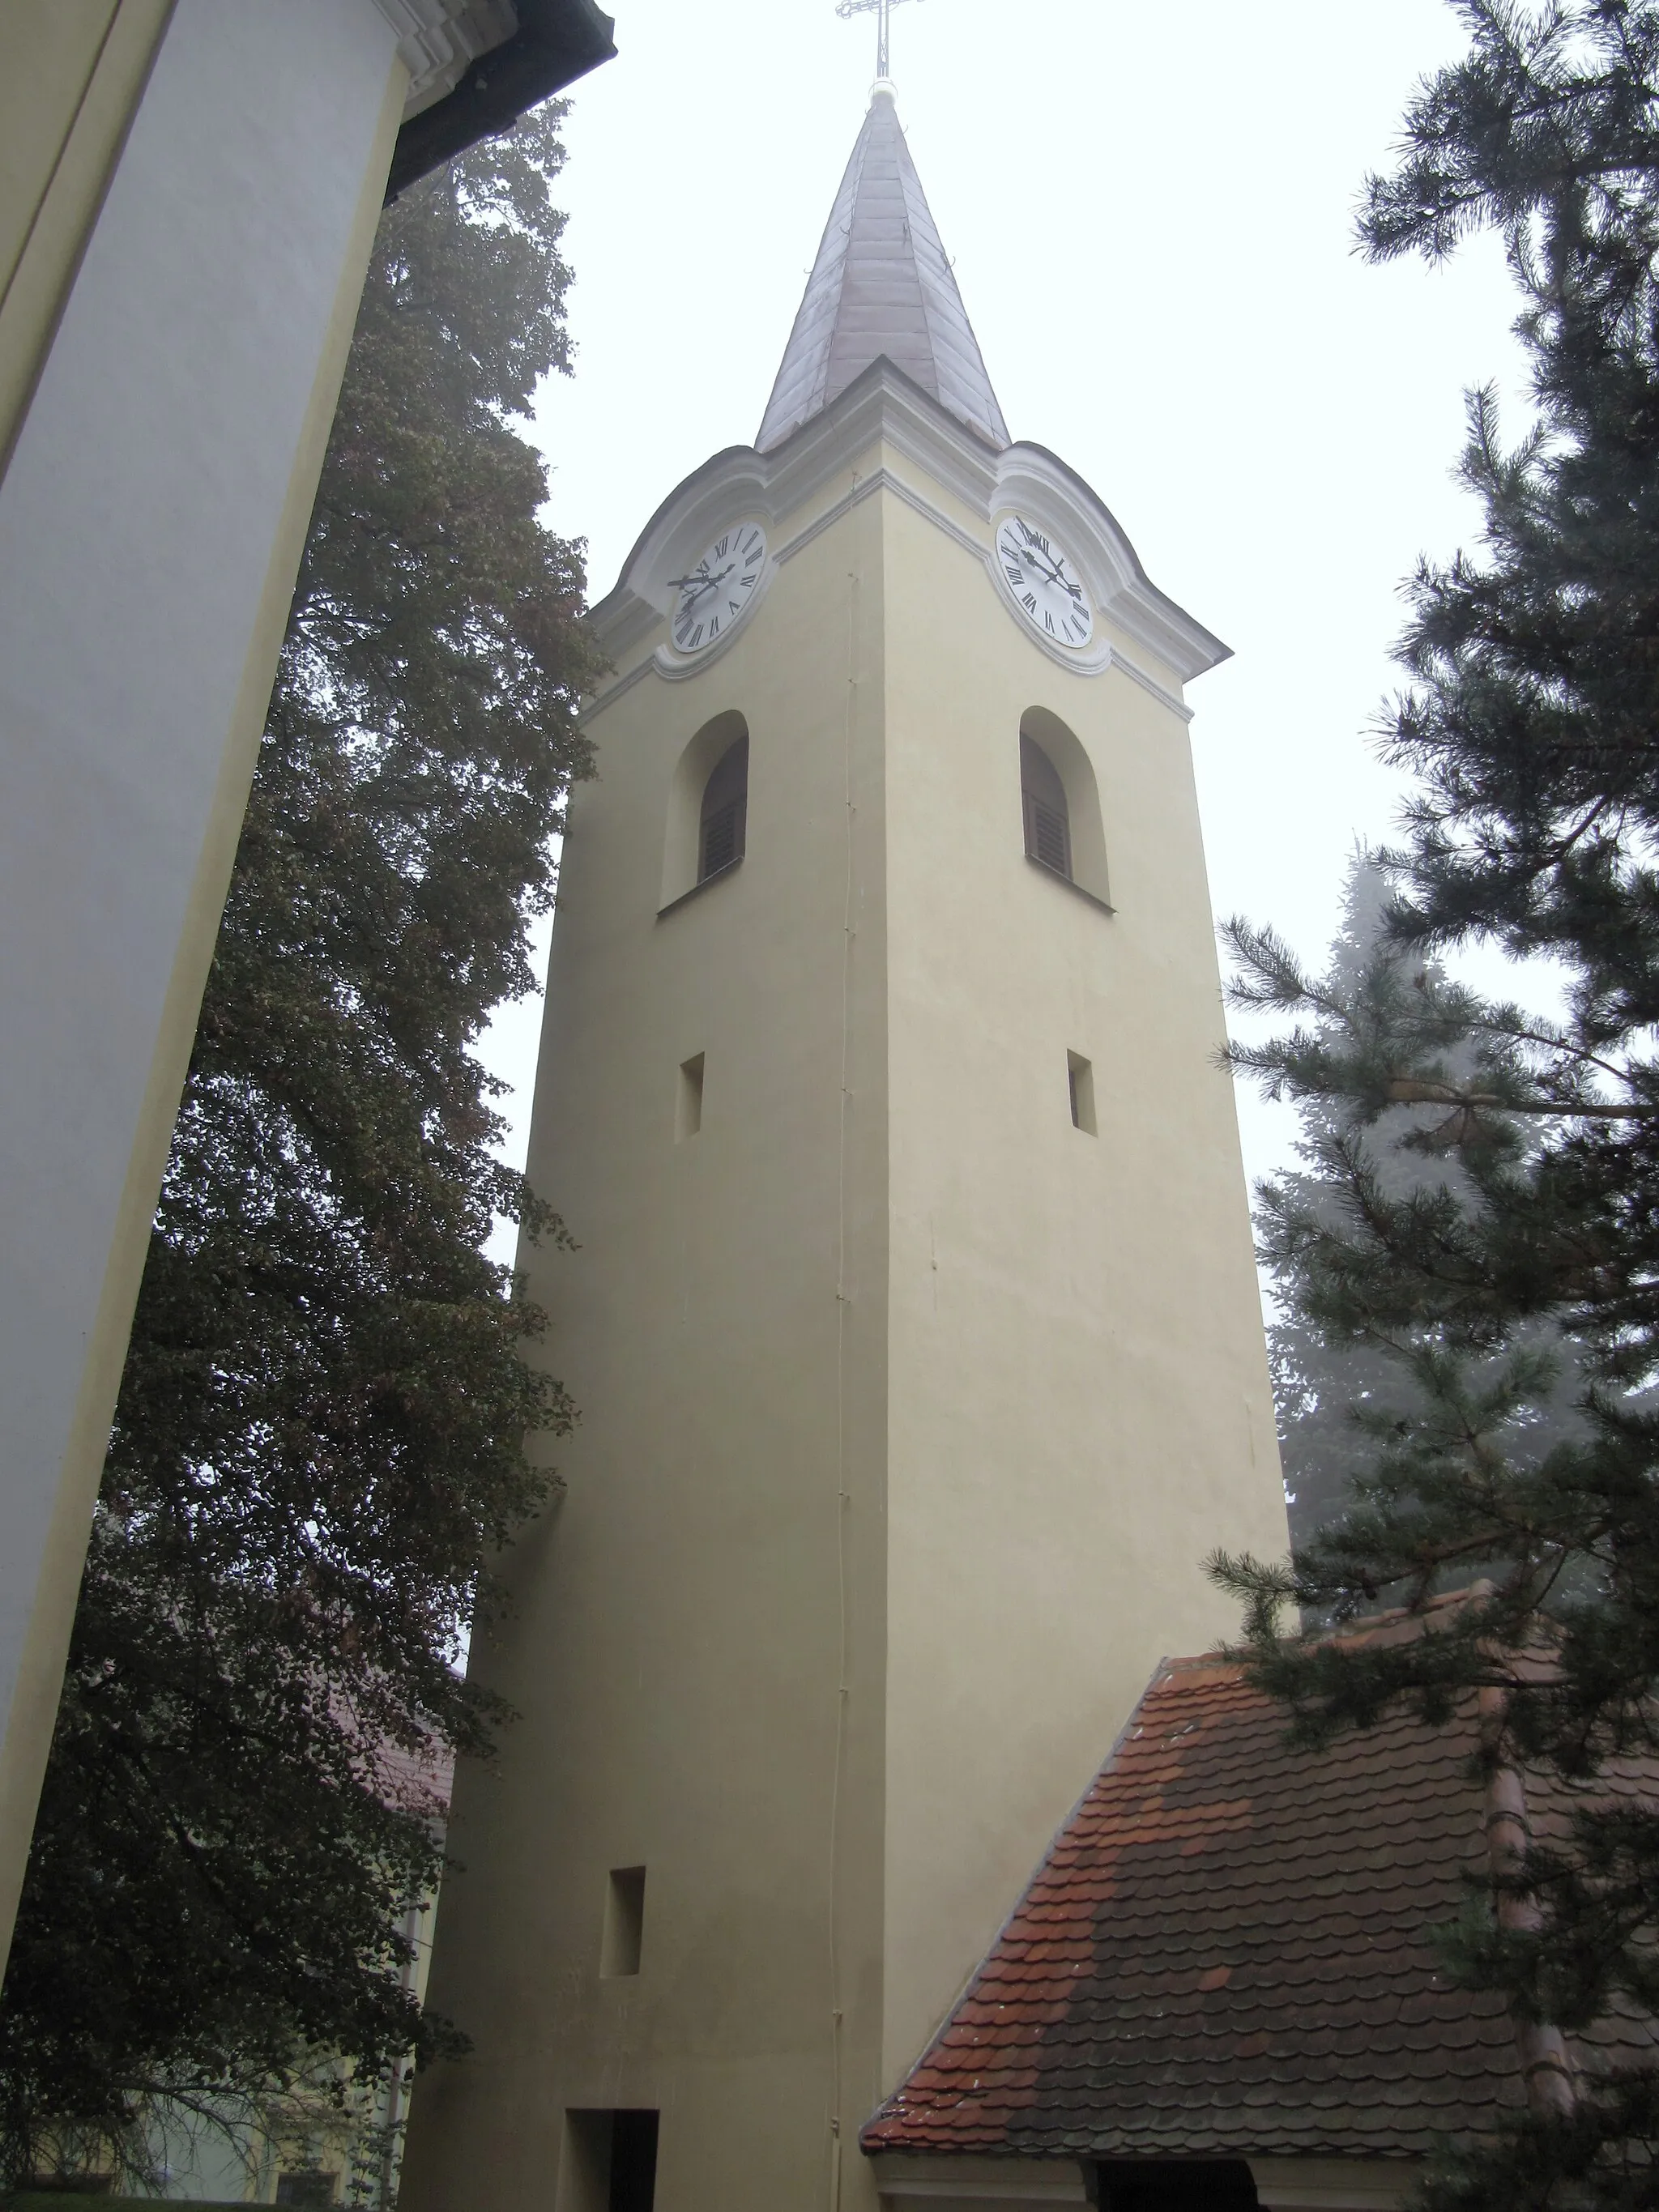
x: 1328, y: 1386
x: 321, y: 1431
x: 1484, y: 1209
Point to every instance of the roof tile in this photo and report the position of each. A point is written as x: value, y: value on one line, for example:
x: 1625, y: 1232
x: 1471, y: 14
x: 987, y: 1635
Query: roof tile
x: 1225, y: 1952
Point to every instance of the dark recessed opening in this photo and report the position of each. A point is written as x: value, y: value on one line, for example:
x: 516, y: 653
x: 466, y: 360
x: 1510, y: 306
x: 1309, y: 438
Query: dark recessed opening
x: 1081, y: 1082
x: 1179, y: 2185
x: 610, y: 2162
x: 307, y: 2189
x: 723, y: 831
x: 624, y: 1922
x: 688, y: 1114
x: 634, y: 2162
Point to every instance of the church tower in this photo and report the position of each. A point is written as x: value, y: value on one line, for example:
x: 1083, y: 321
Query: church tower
x: 914, y: 1321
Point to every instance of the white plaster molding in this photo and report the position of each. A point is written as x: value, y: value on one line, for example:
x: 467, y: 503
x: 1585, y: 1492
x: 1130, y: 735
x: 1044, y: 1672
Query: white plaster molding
x: 885, y: 406
x: 623, y: 684
x: 865, y: 488
x: 438, y: 40
x: 1334, y: 2184
x: 632, y: 619
x: 1096, y: 662
x: 979, y: 2184
x: 1164, y: 697
x: 1091, y: 659
x: 1008, y: 2184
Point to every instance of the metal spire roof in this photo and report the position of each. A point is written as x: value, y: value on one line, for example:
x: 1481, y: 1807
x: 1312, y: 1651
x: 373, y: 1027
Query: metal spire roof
x: 881, y: 285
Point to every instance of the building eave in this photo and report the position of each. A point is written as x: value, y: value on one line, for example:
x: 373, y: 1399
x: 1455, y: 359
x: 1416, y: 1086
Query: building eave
x: 556, y: 42
x: 915, y: 2180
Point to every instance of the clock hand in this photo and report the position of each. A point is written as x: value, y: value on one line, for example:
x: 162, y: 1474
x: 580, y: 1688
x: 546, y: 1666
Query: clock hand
x: 1057, y: 575
x: 698, y: 585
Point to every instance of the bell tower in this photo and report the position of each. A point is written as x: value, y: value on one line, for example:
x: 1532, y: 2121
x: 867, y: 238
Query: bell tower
x: 912, y: 1321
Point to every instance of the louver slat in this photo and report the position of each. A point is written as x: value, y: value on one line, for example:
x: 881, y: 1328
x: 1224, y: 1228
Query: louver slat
x: 722, y: 839
x: 1047, y: 840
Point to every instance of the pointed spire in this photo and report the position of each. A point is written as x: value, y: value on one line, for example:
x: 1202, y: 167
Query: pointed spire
x: 882, y: 285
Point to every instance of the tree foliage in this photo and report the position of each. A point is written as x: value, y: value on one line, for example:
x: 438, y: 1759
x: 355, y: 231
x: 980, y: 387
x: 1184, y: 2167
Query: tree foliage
x: 322, y: 1424
x: 1482, y: 1205
x: 1335, y: 1389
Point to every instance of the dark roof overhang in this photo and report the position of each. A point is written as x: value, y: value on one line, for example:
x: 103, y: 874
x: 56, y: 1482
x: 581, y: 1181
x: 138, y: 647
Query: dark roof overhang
x: 556, y: 42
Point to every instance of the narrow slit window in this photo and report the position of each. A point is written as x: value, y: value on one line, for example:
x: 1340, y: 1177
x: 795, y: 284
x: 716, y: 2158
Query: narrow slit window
x: 690, y: 1117
x: 1047, y: 820
x: 1081, y: 1082
x: 624, y: 1924
x: 723, y: 835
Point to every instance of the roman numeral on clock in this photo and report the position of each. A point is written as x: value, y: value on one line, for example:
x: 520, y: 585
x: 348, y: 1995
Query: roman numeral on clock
x: 714, y: 593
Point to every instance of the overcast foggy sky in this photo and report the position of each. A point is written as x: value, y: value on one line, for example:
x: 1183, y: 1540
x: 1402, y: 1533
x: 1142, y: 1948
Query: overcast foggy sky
x: 1151, y: 215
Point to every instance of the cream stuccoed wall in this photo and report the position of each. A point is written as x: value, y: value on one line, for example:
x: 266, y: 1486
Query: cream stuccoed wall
x: 1079, y: 1402
x: 910, y: 1410
x: 677, y: 1650
x: 152, y: 517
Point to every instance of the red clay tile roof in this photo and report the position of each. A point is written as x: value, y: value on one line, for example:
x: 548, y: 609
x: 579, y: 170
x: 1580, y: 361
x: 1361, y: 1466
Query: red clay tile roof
x: 1225, y: 1955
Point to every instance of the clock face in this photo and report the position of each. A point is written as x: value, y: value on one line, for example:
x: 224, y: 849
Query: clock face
x: 1044, y: 582
x: 710, y: 596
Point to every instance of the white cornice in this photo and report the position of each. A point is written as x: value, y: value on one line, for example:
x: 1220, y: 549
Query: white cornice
x: 438, y: 40
x: 978, y: 2184
x: 884, y: 406
x: 943, y: 2183
x: 1336, y: 2185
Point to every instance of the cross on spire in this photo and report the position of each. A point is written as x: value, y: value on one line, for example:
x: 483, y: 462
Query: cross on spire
x: 882, y: 9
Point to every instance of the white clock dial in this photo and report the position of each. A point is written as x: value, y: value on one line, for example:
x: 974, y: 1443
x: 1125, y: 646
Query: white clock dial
x: 710, y: 596
x: 1045, y: 583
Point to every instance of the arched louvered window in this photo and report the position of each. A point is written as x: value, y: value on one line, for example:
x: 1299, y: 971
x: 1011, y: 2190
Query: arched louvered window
x: 725, y: 812
x: 1048, y: 822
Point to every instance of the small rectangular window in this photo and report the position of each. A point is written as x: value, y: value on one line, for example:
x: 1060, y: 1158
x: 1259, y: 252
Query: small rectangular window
x: 307, y: 2189
x: 1080, y: 1080
x: 624, y: 1922
x: 688, y: 1118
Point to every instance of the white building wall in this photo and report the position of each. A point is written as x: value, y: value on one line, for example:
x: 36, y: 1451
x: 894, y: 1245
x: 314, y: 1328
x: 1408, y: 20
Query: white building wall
x: 151, y: 521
